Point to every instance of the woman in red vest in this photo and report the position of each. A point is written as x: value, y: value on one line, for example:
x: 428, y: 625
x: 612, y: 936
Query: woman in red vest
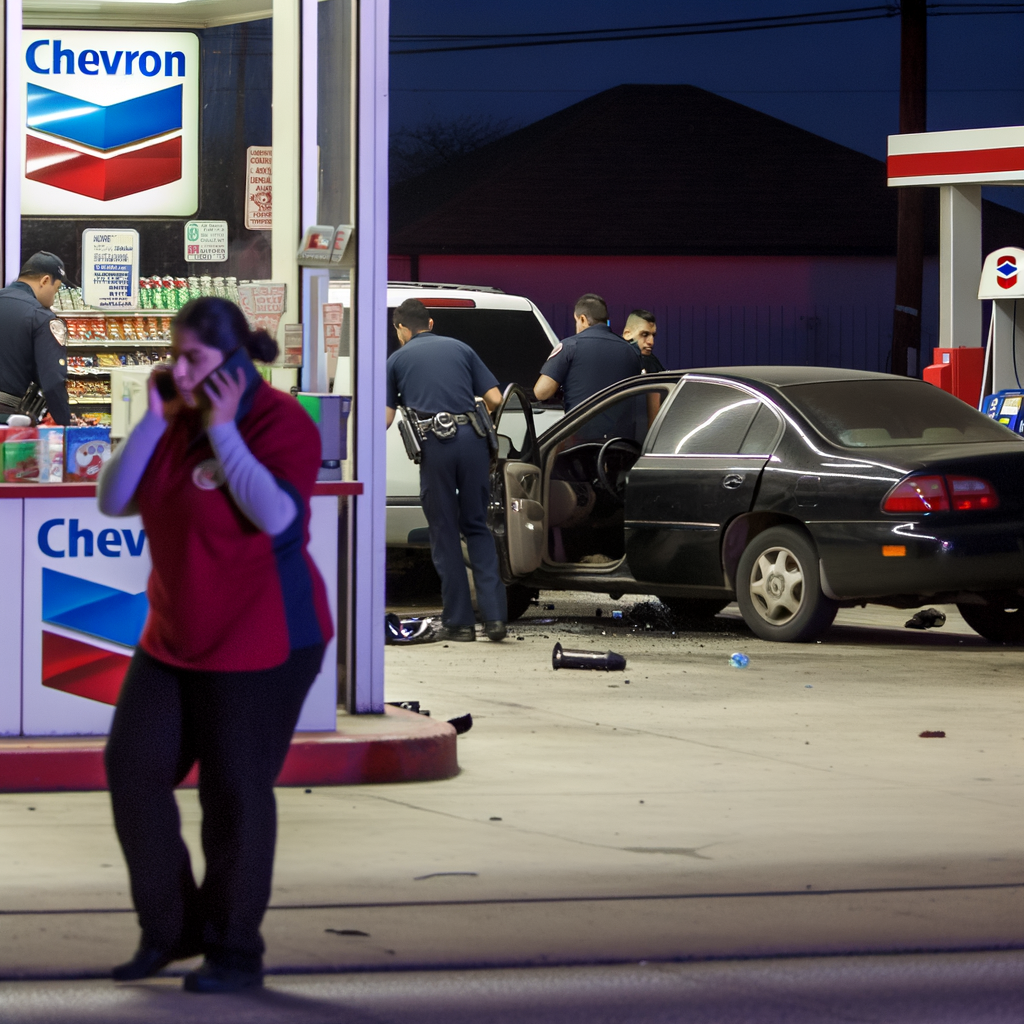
x: 221, y: 469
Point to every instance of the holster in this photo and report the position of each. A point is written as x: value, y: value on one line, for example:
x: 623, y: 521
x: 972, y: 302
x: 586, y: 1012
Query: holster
x: 410, y: 435
x: 33, y: 403
x: 484, y: 426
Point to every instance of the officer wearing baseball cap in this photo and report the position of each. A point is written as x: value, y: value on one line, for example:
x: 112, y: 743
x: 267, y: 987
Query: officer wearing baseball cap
x: 33, y: 341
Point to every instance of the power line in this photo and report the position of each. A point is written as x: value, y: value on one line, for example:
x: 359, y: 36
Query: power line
x: 517, y: 40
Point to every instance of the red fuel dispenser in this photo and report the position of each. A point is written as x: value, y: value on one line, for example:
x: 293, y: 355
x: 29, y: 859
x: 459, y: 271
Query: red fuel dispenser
x: 958, y: 371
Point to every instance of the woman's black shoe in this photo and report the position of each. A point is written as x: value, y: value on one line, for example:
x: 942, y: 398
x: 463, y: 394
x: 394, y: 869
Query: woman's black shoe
x: 212, y: 978
x: 148, y: 960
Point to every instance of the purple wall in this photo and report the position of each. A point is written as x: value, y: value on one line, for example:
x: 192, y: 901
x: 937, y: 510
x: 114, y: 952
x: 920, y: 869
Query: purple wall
x: 716, y: 310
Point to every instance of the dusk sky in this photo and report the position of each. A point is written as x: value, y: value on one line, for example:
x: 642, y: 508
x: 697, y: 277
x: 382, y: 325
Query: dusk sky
x: 840, y: 81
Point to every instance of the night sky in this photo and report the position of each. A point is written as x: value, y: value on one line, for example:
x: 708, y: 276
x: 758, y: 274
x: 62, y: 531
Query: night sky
x: 839, y: 81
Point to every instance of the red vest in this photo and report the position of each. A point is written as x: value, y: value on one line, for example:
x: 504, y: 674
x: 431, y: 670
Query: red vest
x: 223, y: 595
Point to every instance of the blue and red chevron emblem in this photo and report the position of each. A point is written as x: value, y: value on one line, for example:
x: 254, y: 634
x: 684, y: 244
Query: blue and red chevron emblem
x: 98, y: 151
x: 1006, y: 271
x: 73, y: 665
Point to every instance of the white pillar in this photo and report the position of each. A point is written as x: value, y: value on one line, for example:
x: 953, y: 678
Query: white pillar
x: 286, y: 138
x: 959, y: 267
x: 10, y: 75
x: 370, y: 346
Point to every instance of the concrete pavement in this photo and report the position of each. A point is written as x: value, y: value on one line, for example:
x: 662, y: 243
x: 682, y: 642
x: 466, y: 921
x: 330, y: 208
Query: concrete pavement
x: 696, y: 810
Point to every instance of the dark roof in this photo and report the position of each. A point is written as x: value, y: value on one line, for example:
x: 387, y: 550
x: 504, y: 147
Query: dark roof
x: 658, y: 170
x: 786, y: 376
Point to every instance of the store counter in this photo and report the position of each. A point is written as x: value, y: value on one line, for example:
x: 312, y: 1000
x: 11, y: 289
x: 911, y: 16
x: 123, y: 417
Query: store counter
x: 73, y: 603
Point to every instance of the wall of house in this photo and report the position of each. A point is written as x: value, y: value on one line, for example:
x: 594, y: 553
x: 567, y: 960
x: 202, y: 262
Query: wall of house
x: 716, y: 310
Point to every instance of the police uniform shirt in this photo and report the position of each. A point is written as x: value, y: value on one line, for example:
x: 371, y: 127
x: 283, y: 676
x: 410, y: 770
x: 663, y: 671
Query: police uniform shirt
x: 651, y: 363
x: 589, y: 362
x: 32, y: 348
x: 431, y: 373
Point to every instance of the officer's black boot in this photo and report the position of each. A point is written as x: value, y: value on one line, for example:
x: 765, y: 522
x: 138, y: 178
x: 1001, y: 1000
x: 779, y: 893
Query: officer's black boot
x: 455, y: 634
x: 495, y: 630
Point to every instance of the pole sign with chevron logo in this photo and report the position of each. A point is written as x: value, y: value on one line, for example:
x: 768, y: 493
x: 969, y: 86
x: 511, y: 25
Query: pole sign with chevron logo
x: 111, y: 123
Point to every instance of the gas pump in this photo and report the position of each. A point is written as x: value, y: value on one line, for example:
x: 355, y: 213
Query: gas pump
x: 1002, y: 281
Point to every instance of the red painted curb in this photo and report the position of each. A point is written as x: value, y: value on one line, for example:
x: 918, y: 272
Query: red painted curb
x: 398, y: 746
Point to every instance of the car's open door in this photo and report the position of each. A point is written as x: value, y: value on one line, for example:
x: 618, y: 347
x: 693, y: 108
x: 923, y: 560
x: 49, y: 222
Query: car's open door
x: 517, y: 512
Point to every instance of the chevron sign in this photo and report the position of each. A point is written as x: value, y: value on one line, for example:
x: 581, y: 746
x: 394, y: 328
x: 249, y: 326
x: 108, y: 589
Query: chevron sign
x: 111, y: 123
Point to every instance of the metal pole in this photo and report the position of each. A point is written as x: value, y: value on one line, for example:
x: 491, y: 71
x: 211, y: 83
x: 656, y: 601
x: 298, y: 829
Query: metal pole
x: 906, y: 322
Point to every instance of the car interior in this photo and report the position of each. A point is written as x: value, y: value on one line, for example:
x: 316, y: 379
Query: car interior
x: 586, y: 479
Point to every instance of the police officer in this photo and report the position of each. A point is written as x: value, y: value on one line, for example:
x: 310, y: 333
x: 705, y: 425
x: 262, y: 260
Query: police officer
x: 591, y: 361
x: 32, y: 339
x: 640, y: 330
x: 432, y: 376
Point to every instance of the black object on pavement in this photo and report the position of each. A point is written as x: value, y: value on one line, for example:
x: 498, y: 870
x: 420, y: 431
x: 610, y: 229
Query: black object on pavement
x: 408, y: 705
x: 462, y: 723
x: 926, y: 618
x: 608, y: 661
x: 408, y: 631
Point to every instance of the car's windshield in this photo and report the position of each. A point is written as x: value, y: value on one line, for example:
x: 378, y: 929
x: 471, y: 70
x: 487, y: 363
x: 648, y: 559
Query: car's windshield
x: 884, y: 413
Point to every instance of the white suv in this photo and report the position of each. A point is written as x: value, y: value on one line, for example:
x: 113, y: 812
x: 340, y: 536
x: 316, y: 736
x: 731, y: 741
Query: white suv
x: 508, y: 332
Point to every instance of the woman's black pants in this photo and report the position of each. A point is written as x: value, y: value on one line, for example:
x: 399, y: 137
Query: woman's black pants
x: 238, y: 726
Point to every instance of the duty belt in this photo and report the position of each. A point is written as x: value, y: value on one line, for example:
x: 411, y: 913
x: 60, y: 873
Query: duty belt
x: 442, y: 424
x: 9, y: 400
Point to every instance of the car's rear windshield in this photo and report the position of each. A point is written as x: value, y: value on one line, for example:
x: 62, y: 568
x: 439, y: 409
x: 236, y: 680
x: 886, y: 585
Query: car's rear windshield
x: 884, y: 413
x: 511, y: 342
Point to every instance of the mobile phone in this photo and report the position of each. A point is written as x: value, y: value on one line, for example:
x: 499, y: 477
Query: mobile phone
x: 165, y: 386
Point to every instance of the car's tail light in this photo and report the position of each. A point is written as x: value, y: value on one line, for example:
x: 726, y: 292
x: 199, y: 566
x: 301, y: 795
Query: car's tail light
x: 940, y: 494
x: 918, y: 494
x: 968, y: 492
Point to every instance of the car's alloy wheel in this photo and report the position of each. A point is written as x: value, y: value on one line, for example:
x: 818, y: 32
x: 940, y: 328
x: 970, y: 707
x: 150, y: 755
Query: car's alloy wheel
x: 778, y: 587
x: 1001, y: 622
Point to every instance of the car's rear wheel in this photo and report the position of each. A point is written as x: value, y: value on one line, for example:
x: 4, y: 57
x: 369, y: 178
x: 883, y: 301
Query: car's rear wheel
x: 688, y: 609
x: 778, y: 587
x: 1001, y: 622
x: 519, y: 599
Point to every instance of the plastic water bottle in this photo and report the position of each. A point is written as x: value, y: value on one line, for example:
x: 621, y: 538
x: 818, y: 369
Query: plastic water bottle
x: 739, y: 660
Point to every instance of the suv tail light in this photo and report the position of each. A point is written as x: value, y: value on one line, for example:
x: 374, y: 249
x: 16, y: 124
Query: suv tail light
x: 940, y: 494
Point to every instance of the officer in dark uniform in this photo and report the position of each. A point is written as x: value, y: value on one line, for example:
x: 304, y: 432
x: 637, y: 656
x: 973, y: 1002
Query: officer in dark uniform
x: 640, y: 330
x: 591, y: 361
x: 437, y: 380
x: 32, y: 339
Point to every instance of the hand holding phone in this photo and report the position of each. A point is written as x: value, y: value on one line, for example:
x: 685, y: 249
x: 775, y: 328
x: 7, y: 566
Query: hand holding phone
x: 164, y: 397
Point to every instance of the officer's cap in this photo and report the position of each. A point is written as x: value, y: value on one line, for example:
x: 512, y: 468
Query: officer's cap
x: 43, y: 262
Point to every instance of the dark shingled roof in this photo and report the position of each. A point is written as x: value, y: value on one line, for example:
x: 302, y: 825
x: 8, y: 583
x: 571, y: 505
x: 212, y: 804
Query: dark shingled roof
x: 661, y: 170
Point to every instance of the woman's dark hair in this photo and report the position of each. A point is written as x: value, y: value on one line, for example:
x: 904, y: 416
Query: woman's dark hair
x: 220, y: 324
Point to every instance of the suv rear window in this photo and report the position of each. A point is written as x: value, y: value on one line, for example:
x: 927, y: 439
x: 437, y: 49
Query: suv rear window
x: 885, y: 413
x: 511, y: 342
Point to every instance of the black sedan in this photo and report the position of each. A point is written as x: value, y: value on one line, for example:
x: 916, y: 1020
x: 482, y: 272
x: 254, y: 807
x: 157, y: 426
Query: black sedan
x: 792, y: 490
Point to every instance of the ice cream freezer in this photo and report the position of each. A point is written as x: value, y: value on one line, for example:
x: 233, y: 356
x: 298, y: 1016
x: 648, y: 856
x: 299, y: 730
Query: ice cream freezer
x: 74, y: 602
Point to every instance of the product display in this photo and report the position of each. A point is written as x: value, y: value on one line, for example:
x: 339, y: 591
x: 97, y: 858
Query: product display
x: 20, y: 454
x: 86, y: 449
x: 51, y: 455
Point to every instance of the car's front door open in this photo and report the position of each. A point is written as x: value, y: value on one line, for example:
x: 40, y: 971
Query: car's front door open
x: 517, y: 519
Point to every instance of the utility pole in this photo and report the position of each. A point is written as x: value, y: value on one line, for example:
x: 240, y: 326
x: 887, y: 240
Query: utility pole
x: 906, y: 320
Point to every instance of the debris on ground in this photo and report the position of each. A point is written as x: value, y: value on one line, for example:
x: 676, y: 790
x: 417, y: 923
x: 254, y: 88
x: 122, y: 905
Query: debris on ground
x: 926, y: 618
x: 649, y: 615
x: 407, y: 631
x: 606, y: 661
x: 739, y: 660
x: 932, y: 734
x: 461, y: 723
x: 408, y: 705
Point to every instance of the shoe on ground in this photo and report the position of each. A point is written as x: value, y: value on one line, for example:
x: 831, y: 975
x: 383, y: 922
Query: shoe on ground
x: 211, y: 977
x: 455, y: 634
x: 149, y: 960
x: 495, y: 630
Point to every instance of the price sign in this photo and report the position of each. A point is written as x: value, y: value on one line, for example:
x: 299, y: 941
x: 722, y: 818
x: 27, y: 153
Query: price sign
x: 110, y: 268
x: 263, y: 305
x: 332, y: 327
x: 206, y: 241
x: 259, y: 191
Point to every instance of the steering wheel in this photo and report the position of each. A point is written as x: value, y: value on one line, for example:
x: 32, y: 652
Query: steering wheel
x: 617, y: 490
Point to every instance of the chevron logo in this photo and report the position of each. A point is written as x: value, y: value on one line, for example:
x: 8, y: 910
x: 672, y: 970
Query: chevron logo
x: 73, y: 665
x: 103, y: 151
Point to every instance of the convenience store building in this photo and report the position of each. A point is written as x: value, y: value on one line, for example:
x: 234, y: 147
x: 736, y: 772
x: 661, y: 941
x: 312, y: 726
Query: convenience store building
x: 169, y: 140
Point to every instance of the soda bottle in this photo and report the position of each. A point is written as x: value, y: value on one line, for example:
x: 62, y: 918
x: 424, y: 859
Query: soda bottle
x: 145, y: 293
x: 206, y: 284
x: 231, y: 288
x: 218, y: 288
x: 167, y: 295
x: 194, y: 290
x: 180, y: 292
